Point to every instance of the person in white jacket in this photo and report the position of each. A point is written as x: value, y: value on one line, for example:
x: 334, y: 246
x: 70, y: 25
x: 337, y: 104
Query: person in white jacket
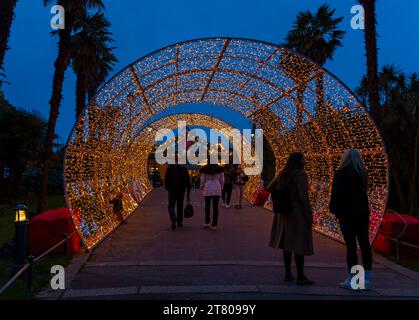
x: 212, y: 182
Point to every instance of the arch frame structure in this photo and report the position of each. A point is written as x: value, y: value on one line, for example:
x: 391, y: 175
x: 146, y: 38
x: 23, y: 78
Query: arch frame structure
x: 299, y: 105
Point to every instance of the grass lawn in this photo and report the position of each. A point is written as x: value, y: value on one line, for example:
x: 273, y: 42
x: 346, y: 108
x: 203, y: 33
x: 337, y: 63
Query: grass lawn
x: 41, y: 277
x: 42, y: 269
x: 410, y: 264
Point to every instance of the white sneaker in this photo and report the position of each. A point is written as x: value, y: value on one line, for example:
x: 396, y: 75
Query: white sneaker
x: 213, y: 227
x: 227, y: 206
x: 206, y: 225
x: 223, y: 205
x: 367, y: 279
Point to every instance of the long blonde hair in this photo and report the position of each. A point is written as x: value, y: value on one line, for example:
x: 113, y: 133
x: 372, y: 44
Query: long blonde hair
x: 353, y: 157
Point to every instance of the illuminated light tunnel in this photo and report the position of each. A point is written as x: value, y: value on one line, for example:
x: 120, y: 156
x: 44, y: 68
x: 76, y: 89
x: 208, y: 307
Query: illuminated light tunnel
x: 273, y: 87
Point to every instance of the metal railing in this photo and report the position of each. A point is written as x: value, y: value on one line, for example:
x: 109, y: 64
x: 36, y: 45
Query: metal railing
x: 399, y: 243
x: 397, y: 240
x: 27, y: 268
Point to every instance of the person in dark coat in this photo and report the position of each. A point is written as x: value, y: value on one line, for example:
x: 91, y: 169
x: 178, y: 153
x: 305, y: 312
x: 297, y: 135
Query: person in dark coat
x: 176, y: 182
x: 349, y: 202
x: 239, y: 179
x: 228, y: 185
x: 293, y: 232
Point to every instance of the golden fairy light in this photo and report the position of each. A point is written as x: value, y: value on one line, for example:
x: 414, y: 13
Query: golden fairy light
x: 270, y: 85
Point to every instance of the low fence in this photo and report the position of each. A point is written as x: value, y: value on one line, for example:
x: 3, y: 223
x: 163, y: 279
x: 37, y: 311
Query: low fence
x: 27, y: 268
x: 398, y: 243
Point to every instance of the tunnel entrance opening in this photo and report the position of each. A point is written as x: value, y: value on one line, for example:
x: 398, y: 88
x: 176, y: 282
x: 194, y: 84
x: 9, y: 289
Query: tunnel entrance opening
x: 271, y: 86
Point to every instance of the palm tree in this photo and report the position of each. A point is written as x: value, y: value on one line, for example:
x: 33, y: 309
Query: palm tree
x: 73, y: 9
x: 399, y: 98
x: 391, y: 80
x: 92, y: 57
x: 317, y: 36
x: 370, y: 35
x: 104, y: 68
x: 297, y: 69
x: 391, y: 84
x: 400, y: 129
x: 7, y: 9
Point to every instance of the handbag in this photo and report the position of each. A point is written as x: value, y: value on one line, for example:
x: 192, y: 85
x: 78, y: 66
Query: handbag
x: 188, y: 211
x: 281, y: 200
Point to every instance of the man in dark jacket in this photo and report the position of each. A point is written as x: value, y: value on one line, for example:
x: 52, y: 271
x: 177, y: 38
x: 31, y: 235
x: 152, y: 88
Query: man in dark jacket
x: 228, y: 185
x: 176, y: 182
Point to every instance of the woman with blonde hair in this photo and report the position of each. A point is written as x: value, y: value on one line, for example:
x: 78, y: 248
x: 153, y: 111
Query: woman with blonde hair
x: 349, y: 202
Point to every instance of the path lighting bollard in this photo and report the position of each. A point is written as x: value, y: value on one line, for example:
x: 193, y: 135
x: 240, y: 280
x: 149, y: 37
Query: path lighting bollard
x: 21, y: 228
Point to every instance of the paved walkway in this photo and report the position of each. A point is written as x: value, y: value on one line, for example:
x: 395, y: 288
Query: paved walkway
x: 146, y: 260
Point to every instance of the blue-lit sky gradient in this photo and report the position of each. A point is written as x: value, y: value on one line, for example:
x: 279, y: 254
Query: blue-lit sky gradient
x: 140, y: 27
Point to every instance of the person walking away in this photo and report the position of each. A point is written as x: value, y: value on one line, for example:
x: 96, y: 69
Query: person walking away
x: 239, y: 180
x: 176, y: 182
x: 349, y: 202
x: 228, y: 185
x: 292, y: 232
x: 212, y: 180
x: 117, y: 207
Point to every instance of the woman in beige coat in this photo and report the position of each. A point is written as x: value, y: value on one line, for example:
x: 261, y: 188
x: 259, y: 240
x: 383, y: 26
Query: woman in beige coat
x: 293, y: 232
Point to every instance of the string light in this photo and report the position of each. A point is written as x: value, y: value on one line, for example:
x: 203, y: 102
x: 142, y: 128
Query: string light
x: 271, y: 86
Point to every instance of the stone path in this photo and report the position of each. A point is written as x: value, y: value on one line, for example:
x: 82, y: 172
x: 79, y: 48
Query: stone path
x: 146, y: 260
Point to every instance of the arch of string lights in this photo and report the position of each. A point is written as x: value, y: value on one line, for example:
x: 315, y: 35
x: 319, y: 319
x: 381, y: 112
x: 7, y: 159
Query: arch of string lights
x: 299, y: 105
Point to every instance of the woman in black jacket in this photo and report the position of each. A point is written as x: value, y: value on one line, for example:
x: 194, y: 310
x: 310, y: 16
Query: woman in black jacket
x: 349, y: 202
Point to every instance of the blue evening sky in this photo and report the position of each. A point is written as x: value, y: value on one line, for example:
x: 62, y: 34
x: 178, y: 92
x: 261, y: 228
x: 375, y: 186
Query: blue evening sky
x: 140, y: 27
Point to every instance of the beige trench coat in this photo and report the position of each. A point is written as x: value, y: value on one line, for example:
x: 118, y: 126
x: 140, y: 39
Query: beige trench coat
x: 293, y: 232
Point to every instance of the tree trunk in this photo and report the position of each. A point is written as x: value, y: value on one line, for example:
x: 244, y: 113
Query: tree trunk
x: 18, y: 182
x: 370, y: 35
x: 80, y: 93
x: 91, y: 93
x: 7, y: 9
x: 394, y: 166
x: 9, y: 190
x: 300, y: 102
x: 61, y: 65
x: 1, y: 178
x: 81, y: 84
x: 412, y: 193
x: 320, y: 95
